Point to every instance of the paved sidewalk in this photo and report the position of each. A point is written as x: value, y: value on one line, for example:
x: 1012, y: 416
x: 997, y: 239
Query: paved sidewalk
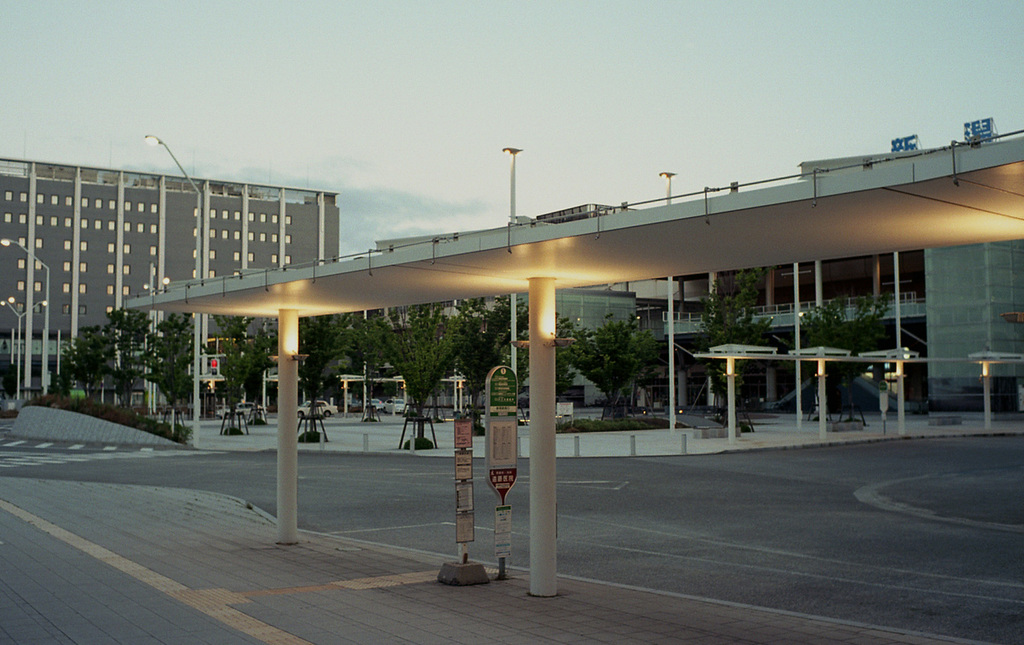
x: 771, y: 432
x: 104, y: 563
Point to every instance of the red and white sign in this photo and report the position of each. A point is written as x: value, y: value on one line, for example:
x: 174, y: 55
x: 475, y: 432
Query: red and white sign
x: 502, y: 480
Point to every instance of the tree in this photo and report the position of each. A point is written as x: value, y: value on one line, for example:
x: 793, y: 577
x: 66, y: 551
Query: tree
x: 367, y: 348
x: 170, y: 359
x: 246, y: 355
x: 565, y: 373
x: 128, y: 338
x: 728, y: 318
x: 480, y: 338
x: 614, y: 355
x: 858, y: 329
x: 420, y: 350
x: 323, y: 340
x: 85, y: 359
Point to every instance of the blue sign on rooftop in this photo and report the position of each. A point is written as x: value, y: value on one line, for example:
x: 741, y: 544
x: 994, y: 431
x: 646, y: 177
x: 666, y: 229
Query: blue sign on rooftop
x: 979, y: 130
x: 902, y: 144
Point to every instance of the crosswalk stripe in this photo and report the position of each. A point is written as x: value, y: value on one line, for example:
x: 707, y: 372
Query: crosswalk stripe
x: 15, y: 443
x: 77, y: 446
x: 44, y: 445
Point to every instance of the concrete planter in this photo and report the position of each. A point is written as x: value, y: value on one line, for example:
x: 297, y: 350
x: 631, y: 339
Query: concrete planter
x: 51, y: 424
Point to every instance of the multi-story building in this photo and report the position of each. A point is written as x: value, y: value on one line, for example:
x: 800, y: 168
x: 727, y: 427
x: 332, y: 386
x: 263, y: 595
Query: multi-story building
x: 105, y: 234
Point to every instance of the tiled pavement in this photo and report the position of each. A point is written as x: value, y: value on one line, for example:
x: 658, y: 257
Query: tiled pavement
x: 103, y: 563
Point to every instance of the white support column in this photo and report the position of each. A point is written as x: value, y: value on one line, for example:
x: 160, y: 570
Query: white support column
x: 730, y: 374
x: 30, y: 281
x: 671, y: 353
x: 543, y: 520
x: 119, y: 259
x: 245, y: 228
x: 796, y: 339
x: 76, y: 238
x: 986, y: 381
x: 901, y: 420
x: 822, y: 401
x: 896, y: 302
x: 819, y: 288
x: 287, y: 439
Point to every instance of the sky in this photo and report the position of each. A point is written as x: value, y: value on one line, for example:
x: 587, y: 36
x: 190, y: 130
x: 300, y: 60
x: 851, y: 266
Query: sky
x: 404, y: 107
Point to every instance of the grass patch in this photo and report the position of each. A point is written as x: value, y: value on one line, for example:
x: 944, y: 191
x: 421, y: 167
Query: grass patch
x: 114, y: 414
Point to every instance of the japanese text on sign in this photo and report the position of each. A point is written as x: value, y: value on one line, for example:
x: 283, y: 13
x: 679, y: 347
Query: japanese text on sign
x: 981, y: 129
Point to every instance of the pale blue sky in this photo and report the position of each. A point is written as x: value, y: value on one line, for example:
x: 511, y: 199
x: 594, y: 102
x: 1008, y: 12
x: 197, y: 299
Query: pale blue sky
x: 404, y: 107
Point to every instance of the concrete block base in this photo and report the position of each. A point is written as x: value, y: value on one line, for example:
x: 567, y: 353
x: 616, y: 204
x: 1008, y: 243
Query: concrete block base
x: 457, y: 573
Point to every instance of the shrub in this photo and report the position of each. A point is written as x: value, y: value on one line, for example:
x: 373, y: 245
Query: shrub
x: 617, y: 425
x: 113, y: 414
x: 422, y: 443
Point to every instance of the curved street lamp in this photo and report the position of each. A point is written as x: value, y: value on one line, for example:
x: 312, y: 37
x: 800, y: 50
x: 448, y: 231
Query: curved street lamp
x: 197, y: 328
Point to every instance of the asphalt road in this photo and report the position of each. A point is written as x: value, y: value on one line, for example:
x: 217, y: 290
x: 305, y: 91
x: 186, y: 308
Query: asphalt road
x: 920, y: 535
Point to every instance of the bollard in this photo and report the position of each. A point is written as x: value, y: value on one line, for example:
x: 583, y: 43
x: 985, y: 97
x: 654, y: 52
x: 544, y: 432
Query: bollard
x: 683, y: 447
x: 632, y: 445
x: 576, y: 446
x: 366, y: 442
x: 519, y: 446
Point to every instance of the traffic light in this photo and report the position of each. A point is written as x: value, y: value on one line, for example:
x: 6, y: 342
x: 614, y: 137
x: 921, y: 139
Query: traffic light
x: 215, y: 366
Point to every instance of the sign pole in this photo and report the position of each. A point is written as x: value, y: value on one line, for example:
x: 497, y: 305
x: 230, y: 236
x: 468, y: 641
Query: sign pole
x: 502, y: 389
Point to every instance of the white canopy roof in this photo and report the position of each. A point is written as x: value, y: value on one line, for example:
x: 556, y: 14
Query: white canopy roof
x: 945, y: 197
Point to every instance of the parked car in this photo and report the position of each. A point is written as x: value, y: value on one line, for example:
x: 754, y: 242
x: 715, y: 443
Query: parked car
x: 395, y: 406
x: 322, y: 408
x: 376, y: 404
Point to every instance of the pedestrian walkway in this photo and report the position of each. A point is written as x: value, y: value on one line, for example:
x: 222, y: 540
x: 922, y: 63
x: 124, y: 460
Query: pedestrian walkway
x: 105, y: 563
x: 21, y: 453
x: 770, y: 432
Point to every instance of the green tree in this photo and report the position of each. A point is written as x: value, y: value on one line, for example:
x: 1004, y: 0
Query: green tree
x: 128, y: 338
x: 10, y: 382
x: 169, y: 360
x: 246, y: 355
x: 85, y: 359
x: 420, y: 350
x: 613, y: 356
x: 857, y: 328
x: 479, y: 337
x: 565, y: 372
x: 366, y: 350
x: 323, y: 339
x: 728, y: 318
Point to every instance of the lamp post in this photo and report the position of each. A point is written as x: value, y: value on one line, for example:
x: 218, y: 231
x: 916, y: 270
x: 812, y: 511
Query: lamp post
x: 10, y: 303
x: 512, y: 152
x: 668, y: 185
x: 44, y: 378
x: 197, y: 329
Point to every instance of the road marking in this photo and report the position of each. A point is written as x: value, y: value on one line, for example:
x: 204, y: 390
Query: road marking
x: 77, y: 446
x: 44, y: 445
x: 600, y: 484
x: 15, y: 443
x: 389, y: 528
x: 212, y: 602
x: 110, y: 447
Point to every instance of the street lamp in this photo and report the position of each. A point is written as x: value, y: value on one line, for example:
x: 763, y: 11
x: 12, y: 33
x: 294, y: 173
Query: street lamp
x: 668, y: 184
x: 197, y: 329
x: 512, y: 152
x: 45, y: 374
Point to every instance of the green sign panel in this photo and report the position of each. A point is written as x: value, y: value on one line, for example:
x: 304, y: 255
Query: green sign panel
x: 502, y: 392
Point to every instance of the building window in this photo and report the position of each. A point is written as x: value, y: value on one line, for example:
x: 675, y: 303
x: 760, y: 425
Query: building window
x: 81, y: 310
x: 39, y: 220
x: 238, y: 256
x: 54, y: 200
x: 110, y: 269
x: 112, y: 204
x: 273, y: 238
x: 68, y: 201
x: 141, y: 207
x: 263, y: 217
x: 83, y: 246
x: 213, y: 254
x: 252, y: 217
x: 53, y: 221
x: 152, y: 208
x: 252, y: 257
x: 67, y: 222
x: 274, y: 219
x: 287, y: 259
x: 110, y: 289
x: 124, y: 290
x: 85, y: 202
x: 288, y: 220
x: 98, y: 203
x: 127, y: 206
x: 140, y: 228
x: 263, y: 237
x: 225, y: 214
x: 213, y: 274
x: 23, y: 219
x: 39, y: 242
x: 224, y: 234
x: 238, y: 235
x: 7, y: 218
x: 81, y: 287
x: 126, y: 269
x: 23, y: 197
x: 252, y: 236
x: 110, y: 247
x: 67, y: 245
x: 21, y: 263
x: 67, y: 266
x: 66, y: 287
x: 65, y: 309
x: 238, y: 216
x: 127, y: 227
x: 83, y: 267
x: 273, y: 258
x: 288, y: 239
x: 40, y: 197
x: 127, y: 249
x: 110, y: 225
x: 21, y: 285
x: 85, y: 223
x: 109, y: 309
x: 152, y: 251
x: 213, y: 233
x: 38, y: 286
x: 8, y: 195
x: 152, y: 229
